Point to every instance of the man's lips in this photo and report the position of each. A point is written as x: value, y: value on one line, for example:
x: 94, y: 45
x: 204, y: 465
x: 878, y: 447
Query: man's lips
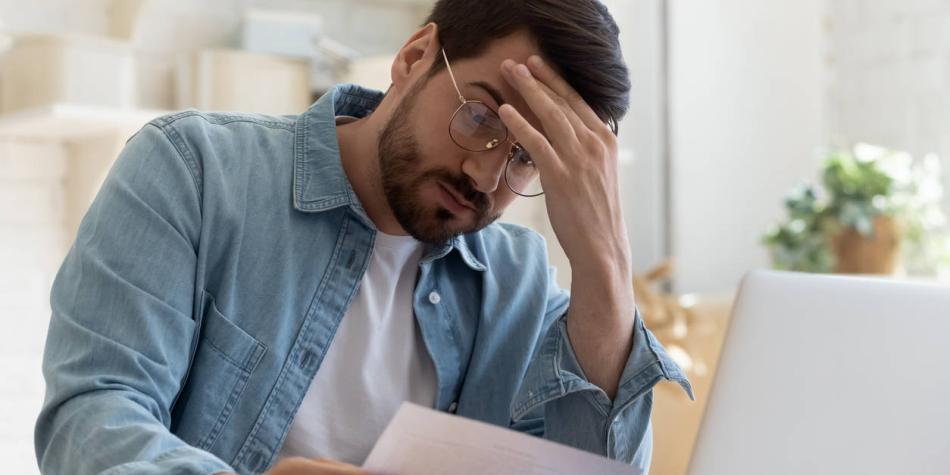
x: 461, y: 202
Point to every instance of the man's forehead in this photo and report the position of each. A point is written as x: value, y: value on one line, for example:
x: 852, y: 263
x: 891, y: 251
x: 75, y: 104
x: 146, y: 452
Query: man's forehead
x: 484, y: 74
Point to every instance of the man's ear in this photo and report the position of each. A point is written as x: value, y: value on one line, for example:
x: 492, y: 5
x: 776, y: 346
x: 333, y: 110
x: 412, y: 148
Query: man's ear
x: 416, y: 57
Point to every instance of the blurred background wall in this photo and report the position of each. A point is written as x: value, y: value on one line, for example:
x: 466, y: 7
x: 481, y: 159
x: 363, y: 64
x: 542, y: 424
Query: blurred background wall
x: 747, y: 87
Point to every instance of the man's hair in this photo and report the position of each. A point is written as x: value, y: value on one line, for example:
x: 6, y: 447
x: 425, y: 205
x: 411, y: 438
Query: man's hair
x: 579, y: 36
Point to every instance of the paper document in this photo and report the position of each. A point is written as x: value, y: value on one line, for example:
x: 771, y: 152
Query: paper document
x: 421, y: 441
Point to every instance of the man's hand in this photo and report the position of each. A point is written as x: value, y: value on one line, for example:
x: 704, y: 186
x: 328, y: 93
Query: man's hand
x: 305, y: 466
x: 577, y: 160
x: 321, y: 466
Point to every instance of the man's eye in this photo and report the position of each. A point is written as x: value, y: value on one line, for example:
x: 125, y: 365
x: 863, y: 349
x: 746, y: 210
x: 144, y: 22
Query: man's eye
x: 520, y: 156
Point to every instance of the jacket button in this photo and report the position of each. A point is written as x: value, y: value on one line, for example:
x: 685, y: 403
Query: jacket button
x: 453, y: 407
x: 434, y: 297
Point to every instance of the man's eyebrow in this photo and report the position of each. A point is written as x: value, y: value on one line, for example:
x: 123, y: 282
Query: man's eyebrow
x: 491, y: 90
x: 495, y: 94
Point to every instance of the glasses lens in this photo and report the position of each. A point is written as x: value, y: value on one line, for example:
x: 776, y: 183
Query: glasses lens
x: 521, y: 174
x: 476, y: 127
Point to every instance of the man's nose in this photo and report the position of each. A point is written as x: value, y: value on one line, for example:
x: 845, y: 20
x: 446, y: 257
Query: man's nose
x: 486, y: 168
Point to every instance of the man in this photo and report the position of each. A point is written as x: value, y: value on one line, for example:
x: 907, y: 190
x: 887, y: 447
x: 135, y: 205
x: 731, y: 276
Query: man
x: 254, y: 293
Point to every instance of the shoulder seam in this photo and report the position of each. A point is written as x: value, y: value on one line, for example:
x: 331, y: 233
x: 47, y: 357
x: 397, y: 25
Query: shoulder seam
x: 189, y: 161
x: 226, y: 119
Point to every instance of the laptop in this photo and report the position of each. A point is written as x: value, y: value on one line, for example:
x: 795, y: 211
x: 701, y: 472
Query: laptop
x: 830, y: 375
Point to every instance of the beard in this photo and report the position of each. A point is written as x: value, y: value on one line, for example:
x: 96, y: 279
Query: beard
x: 403, y: 179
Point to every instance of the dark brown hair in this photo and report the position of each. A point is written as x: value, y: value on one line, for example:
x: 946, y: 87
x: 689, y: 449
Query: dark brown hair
x: 579, y: 36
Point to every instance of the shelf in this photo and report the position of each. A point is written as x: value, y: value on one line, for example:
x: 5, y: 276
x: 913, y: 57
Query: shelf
x: 71, y: 121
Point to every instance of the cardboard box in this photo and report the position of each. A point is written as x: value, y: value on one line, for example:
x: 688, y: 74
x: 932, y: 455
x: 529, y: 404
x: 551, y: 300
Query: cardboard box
x: 44, y: 69
x: 281, y: 32
x: 232, y: 80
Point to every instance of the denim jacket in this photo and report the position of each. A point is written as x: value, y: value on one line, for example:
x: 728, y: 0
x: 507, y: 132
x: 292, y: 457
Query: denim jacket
x: 208, y: 278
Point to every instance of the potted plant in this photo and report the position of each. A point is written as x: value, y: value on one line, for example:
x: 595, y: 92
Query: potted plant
x: 876, y: 212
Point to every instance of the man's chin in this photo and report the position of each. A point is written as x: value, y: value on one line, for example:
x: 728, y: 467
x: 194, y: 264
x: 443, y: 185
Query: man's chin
x: 440, y: 226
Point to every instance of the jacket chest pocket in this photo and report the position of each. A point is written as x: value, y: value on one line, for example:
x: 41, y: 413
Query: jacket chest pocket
x: 223, y: 362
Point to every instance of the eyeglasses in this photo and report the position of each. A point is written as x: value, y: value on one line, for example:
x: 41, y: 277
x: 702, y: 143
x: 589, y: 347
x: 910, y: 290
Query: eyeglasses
x: 476, y: 127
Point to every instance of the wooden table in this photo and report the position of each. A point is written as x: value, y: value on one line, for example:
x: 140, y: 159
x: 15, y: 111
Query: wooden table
x: 676, y: 419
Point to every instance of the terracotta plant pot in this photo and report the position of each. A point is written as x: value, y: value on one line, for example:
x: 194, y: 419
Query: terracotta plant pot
x: 876, y: 254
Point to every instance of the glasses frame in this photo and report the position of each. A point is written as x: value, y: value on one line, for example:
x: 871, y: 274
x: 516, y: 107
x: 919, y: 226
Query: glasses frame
x: 495, y: 143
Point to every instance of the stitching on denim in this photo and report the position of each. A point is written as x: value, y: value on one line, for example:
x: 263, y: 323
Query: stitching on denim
x: 221, y: 118
x: 297, y: 347
x: 184, y: 155
x: 576, y: 383
x: 225, y: 415
x: 299, y: 154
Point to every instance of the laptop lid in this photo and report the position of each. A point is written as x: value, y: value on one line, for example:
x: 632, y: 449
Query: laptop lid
x: 830, y: 375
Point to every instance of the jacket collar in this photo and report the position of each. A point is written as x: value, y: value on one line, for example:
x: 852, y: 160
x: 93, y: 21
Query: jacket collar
x: 320, y: 183
x: 319, y: 180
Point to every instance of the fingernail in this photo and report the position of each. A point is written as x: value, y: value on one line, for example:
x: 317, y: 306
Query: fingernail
x: 522, y: 70
x: 536, y: 61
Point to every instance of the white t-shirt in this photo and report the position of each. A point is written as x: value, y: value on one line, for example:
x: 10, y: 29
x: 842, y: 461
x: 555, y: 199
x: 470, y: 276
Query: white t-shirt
x: 377, y: 360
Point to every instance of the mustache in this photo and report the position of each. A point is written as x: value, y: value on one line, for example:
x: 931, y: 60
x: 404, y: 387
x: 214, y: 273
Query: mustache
x: 462, y: 186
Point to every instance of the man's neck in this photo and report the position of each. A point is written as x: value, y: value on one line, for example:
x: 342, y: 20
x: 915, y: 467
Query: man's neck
x: 359, y: 155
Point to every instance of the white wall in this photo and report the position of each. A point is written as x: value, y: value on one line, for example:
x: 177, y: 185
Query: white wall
x: 642, y: 142
x: 747, y: 88
x: 31, y: 249
x: 890, y: 68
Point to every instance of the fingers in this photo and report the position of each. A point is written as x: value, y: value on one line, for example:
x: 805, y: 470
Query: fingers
x: 571, y: 128
x: 317, y: 466
x: 337, y: 467
x: 548, y: 76
x: 553, y: 119
x: 580, y: 128
x: 533, y: 141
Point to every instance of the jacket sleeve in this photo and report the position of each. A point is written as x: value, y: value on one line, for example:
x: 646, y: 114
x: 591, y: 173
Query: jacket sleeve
x: 121, y: 328
x: 558, y: 402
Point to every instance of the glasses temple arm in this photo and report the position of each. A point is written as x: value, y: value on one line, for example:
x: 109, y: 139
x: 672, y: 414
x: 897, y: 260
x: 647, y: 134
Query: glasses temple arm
x: 448, y: 67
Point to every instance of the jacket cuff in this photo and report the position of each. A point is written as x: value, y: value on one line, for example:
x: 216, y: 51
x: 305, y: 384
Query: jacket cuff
x: 555, y: 372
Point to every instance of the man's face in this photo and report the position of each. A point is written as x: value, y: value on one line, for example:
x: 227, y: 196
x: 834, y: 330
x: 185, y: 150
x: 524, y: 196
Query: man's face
x: 435, y: 188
